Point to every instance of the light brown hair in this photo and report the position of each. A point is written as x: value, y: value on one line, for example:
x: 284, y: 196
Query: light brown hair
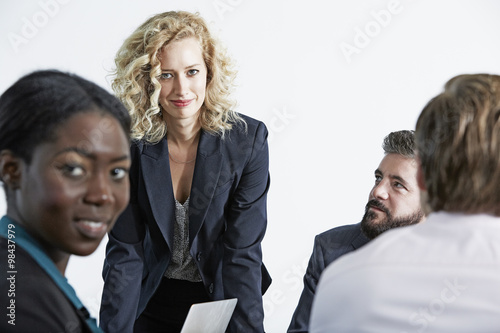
x: 458, y: 143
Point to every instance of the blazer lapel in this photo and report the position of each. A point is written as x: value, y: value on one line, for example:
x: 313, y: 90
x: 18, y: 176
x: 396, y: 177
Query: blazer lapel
x: 206, y: 176
x: 158, y: 181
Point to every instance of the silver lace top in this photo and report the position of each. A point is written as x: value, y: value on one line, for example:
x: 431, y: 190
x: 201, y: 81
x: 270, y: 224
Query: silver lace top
x: 182, y: 265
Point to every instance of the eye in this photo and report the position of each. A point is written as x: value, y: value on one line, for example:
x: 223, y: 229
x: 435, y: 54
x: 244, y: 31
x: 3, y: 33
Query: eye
x: 118, y: 173
x: 398, y: 185
x: 378, y: 179
x: 164, y: 76
x: 192, y: 72
x: 73, y: 170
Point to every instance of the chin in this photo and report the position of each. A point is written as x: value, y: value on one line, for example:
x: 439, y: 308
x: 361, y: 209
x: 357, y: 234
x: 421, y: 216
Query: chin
x: 85, y: 249
x: 378, y: 222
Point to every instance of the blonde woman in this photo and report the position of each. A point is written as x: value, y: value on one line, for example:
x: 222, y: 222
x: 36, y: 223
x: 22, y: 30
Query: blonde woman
x: 199, y: 180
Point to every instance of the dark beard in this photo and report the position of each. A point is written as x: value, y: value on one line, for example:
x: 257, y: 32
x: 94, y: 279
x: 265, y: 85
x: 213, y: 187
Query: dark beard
x: 372, y: 230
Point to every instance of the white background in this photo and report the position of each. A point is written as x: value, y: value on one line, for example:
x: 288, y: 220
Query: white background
x: 327, y: 111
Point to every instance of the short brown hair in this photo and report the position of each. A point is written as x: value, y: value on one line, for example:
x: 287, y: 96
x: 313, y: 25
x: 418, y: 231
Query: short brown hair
x: 458, y: 142
x: 401, y: 143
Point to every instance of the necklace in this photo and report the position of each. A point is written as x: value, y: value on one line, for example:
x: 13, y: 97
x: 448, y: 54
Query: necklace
x: 180, y: 162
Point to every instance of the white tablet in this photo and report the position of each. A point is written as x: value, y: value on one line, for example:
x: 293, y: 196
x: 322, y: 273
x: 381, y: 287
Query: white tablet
x: 209, y: 317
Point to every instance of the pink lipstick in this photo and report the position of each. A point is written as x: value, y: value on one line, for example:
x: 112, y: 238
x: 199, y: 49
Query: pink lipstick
x: 180, y: 103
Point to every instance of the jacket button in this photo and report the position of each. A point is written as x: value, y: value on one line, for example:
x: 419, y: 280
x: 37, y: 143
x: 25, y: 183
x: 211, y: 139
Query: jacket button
x: 198, y: 256
x: 211, y: 288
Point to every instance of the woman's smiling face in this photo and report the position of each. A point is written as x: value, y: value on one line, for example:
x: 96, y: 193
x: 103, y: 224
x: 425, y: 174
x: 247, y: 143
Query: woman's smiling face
x: 75, y: 187
x: 183, y: 79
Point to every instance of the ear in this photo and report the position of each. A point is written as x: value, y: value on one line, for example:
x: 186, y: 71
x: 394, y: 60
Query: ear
x: 420, y: 175
x: 10, y: 169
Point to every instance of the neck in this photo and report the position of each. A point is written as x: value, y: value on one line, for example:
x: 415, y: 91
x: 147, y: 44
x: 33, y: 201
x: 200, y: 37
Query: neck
x: 183, y: 133
x: 59, y: 257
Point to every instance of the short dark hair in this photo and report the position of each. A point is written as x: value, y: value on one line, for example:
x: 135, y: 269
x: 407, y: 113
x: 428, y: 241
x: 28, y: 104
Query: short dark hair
x: 34, y: 106
x: 400, y: 142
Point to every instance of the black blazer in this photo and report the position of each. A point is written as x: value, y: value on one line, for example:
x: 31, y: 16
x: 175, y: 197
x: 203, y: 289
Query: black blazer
x: 227, y: 222
x: 328, y: 246
x: 40, y: 304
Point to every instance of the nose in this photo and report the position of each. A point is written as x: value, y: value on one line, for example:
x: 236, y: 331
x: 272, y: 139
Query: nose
x: 181, y: 85
x: 99, y: 191
x: 380, y: 191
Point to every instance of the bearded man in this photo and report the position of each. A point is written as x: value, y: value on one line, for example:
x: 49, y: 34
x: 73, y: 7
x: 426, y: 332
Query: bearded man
x: 442, y: 275
x: 394, y: 201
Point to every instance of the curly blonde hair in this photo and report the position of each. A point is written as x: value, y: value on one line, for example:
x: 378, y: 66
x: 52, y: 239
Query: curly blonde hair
x: 138, y: 68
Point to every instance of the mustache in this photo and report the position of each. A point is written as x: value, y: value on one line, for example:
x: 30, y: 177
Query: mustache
x: 377, y: 204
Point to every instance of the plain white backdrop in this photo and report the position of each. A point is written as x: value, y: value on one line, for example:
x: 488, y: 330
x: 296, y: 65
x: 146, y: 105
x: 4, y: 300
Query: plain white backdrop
x: 329, y: 78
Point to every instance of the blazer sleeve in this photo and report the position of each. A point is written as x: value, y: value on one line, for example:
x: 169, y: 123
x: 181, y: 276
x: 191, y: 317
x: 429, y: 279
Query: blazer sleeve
x: 246, y: 222
x: 123, y: 265
x: 300, y: 318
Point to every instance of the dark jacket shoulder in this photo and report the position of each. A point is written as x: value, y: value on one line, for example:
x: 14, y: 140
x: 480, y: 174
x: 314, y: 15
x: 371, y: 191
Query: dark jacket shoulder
x: 341, y: 235
x: 36, y: 302
x: 340, y: 240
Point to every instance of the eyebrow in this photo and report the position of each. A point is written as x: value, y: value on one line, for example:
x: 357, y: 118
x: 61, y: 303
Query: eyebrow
x: 396, y: 177
x: 89, y: 154
x: 190, y: 66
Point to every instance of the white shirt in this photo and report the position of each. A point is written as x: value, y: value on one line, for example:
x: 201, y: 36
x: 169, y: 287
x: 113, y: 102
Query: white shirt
x: 442, y: 275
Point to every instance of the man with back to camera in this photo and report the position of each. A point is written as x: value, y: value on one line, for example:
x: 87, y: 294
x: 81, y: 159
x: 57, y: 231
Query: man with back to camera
x: 394, y: 201
x: 442, y: 275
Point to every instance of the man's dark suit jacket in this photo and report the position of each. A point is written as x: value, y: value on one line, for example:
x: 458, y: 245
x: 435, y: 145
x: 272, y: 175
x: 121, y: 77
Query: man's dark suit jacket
x: 328, y: 246
x: 227, y: 222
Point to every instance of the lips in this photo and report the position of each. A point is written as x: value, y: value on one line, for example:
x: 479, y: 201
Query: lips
x: 181, y: 103
x: 90, y: 228
x: 376, y: 208
x: 376, y: 205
